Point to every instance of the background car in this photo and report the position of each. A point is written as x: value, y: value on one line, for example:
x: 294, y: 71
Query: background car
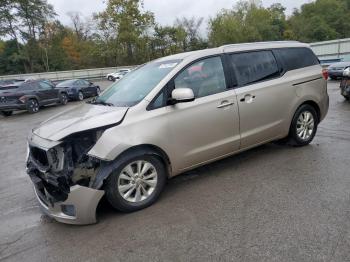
x: 115, y: 75
x: 335, y: 70
x: 10, y: 82
x: 30, y: 96
x: 78, y: 89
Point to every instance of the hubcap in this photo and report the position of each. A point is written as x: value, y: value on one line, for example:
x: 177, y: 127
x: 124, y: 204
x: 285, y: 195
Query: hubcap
x: 137, y: 181
x: 81, y: 97
x: 305, y: 125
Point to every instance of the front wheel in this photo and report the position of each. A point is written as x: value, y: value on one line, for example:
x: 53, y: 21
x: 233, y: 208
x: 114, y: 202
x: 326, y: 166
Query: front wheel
x: 304, y: 126
x: 346, y: 97
x: 110, y: 78
x: 136, y: 183
x: 33, y: 106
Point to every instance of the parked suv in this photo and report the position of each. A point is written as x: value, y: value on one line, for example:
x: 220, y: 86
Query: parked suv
x: 30, y: 96
x: 163, y: 119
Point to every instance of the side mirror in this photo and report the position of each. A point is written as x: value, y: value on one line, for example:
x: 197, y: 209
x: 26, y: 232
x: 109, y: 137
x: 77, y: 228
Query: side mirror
x: 181, y: 95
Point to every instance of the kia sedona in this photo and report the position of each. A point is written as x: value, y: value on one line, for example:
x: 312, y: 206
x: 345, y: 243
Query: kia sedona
x: 169, y: 116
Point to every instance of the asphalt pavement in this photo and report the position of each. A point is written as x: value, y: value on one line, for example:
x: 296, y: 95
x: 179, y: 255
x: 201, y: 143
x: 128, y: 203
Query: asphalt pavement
x: 271, y: 203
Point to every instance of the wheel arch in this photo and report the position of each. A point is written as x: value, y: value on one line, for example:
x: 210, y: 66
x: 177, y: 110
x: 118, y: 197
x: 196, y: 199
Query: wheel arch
x: 314, y: 105
x: 107, y: 167
x: 28, y: 97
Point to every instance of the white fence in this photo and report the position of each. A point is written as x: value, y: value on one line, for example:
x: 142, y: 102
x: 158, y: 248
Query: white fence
x: 62, y: 75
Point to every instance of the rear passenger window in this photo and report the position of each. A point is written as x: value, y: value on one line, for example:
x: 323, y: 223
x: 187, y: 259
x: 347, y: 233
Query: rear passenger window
x: 295, y: 58
x: 252, y: 67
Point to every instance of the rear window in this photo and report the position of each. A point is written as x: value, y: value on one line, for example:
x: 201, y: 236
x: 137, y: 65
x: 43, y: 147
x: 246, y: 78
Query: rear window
x: 295, y: 58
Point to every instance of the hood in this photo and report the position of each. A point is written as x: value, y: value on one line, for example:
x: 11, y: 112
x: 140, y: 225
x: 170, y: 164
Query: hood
x: 80, y: 118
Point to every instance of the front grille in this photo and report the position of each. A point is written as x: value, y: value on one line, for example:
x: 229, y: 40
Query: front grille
x: 39, y: 155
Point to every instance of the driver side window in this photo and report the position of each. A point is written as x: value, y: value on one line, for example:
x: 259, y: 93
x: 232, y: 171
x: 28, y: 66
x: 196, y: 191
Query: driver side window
x: 205, y: 77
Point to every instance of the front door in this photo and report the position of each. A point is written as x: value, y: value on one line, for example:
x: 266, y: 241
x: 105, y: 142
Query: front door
x: 208, y: 127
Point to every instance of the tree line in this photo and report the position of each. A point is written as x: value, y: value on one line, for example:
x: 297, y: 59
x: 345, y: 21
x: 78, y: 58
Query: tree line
x: 32, y: 39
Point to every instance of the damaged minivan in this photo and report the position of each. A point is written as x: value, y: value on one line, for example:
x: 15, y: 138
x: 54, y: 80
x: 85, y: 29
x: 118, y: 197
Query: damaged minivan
x: 169, y: 116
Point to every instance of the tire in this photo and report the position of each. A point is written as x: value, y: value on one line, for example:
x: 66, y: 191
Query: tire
x: 63, y: 99
x: 346, y: 98
x: 116, y: 186
x: 110, y: 78
x: 302, y: 133
x: 6, y: 113
x: 80, y: 96
x: 98, y: 91
x: 33, y: 106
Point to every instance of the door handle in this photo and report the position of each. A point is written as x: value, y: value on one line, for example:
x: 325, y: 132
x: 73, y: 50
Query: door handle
x: 225, y: 104
x: 248, y: 98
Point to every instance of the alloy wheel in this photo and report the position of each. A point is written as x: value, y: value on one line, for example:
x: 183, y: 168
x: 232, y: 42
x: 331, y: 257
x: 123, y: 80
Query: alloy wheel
x: 137, y: 181
x: 80, y: 96
x: 34, y: 105
x: 305, y: 125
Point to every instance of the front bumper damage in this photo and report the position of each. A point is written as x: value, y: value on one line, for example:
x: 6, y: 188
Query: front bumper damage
x: 63, y: 177
x: 78, y: 209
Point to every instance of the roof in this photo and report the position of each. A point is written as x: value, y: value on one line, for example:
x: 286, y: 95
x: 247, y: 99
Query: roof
x: 234, y: 48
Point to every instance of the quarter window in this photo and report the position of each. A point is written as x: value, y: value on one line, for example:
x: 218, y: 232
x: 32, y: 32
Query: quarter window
x: 294, y: 58
x: 44, y: 86
x: 205, y: 77
x: 252, y: 67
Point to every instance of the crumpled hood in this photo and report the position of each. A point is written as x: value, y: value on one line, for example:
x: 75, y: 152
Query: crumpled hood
x: 80, y: 118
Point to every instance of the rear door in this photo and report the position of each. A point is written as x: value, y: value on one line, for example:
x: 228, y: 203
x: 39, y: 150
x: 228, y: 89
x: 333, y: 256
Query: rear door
x: 208, y: 127
x: 91, y: 89
x: 48, y: 92
x: 261, y: 96
x: 84, y: 87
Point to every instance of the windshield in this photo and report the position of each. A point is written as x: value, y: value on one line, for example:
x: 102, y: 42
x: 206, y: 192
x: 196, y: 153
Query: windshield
x: 66, y: 83
x: 137, y: 84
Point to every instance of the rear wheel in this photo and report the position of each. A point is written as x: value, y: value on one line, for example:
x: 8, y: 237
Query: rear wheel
x: 80, y: 96
x: 136, y: 183
x: 110, y: 78
x: 6, y: 113
x: 304, y: 126
x: 98, y: 91
x: 63, y: 98
x: 33, y: 106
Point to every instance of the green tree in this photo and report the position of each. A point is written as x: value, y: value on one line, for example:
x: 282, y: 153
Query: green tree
x: 123, y: 25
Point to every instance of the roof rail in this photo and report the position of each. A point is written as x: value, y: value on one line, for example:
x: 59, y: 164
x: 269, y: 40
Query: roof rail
x: 259, y: 43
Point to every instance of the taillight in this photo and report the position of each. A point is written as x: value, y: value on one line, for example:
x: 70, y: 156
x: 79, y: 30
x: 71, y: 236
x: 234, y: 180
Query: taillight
x: 325, y: 73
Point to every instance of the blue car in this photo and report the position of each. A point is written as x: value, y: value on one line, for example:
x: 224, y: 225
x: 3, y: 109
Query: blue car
x: 78, y: 89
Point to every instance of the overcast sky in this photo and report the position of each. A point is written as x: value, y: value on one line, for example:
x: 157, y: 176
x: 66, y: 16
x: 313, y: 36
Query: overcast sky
x: 165, y: 11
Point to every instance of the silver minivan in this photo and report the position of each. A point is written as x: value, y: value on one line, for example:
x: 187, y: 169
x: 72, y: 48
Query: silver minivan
x: 172, y: 115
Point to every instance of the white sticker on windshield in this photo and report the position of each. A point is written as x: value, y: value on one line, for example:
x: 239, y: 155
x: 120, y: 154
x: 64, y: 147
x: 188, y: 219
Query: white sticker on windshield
x: 169, y: 65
